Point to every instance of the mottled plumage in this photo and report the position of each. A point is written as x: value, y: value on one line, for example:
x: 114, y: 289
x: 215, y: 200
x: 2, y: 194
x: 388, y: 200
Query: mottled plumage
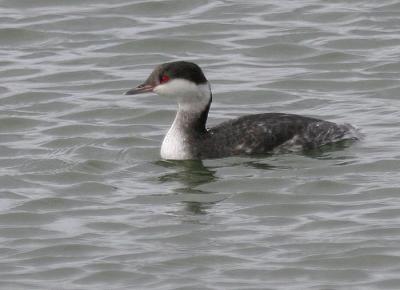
x: 258, y: 134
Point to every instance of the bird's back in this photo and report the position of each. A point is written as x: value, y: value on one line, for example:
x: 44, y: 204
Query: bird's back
x: 263, y: 133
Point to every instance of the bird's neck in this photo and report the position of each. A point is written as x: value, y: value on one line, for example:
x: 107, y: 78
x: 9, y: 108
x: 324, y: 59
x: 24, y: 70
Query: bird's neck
x: 187, y: 130
x: 189, y: 126
x: 190, y: 122
x: 193, y: 110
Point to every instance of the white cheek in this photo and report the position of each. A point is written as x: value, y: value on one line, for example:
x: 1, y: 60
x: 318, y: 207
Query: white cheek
x: 162, y: 90
x: 176, y: 88
x: 189, y: 95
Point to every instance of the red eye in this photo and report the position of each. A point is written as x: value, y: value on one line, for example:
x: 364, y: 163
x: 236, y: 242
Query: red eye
x: 164, y: 79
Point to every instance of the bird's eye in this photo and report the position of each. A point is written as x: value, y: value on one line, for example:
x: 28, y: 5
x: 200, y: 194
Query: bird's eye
x: 164, y: 79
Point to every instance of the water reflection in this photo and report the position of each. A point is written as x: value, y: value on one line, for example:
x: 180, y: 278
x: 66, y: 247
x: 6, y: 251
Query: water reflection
x: 190, y: 174
x: 327, y: 152
x: 260, y: 165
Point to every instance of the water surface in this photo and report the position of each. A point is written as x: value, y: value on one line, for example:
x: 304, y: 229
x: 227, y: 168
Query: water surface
x: 86, y: 202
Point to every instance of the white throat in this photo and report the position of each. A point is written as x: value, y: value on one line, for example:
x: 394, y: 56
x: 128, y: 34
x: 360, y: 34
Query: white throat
x: 192, y: 99
x: 174, y: 145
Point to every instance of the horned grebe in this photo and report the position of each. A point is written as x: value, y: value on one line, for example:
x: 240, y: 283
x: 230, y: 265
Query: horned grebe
x: 188, y: 137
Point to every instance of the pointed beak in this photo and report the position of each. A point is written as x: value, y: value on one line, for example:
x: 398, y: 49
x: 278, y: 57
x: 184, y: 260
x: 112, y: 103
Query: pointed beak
x: 140, y: 90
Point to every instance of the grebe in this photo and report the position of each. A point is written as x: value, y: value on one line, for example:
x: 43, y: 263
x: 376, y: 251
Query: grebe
x: 188, y: 137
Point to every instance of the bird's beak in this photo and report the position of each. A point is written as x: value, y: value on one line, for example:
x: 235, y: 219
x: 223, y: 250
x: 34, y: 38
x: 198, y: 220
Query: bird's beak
x: 144, y: 88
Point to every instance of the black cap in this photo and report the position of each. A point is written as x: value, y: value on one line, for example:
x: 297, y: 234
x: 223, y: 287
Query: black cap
x: 169, y: 71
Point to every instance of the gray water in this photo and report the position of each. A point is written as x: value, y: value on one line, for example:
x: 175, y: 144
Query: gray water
x: 87, y: 203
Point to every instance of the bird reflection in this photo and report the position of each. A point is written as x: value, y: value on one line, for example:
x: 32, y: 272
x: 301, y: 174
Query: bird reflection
x: 190, y: 174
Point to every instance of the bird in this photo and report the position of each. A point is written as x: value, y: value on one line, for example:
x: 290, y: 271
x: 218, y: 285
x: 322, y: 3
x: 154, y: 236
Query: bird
x: 188, y: 138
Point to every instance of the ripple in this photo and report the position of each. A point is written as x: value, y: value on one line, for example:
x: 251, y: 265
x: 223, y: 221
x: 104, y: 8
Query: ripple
x: 73, y: 130
x: 98, y: 114
x: 65, y: 250
x: 10, y: 182
x: 87, y: 24
x: 388, y: 283
x: 54, y: 274
x: 158, y: 9
x: 360, y: 262
x: 90, y: 188
x: 49, y: 107
x: 32, y: 98
x: 281, y: 51
x: 52, y: 204
x: 17, y: 36
x: 71, y: 76
x: 108, y: 226
x: 22, y: 232
x: 42, y: 165
x: 68, y: 142
x: 96, y: 167
x: 15, y: 73
x: 332, y: 57
x: 18, y: 124
x: 114, y: 278
x: 64, y: 177
x: 86, y: 201
x: 24, y: 218
x: 170, y: 45
x: 325, y: 187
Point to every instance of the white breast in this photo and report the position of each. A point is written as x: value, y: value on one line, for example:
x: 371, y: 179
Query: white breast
x: 173, y: 146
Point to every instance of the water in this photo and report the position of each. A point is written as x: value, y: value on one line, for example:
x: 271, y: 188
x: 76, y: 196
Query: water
x: 86, y: 201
